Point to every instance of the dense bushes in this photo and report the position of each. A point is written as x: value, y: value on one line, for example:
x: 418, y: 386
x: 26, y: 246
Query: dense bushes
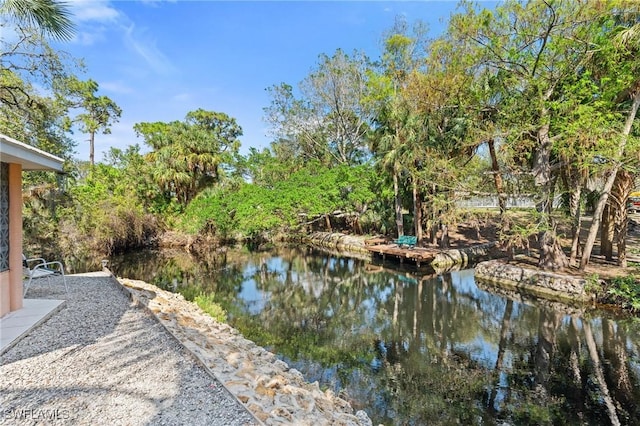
x: 106, y: 215
x: 107, y: 228
x: 244, y: 211
x: 101, y: 213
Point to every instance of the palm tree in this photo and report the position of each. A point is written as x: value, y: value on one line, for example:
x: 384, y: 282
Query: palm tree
x: 626, y: 41
x: 51, y: 16
x: 389, y: 149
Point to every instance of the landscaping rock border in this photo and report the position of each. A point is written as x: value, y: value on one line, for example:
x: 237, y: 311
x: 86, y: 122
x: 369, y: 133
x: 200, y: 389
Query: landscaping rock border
x: 576, y: 309
x: 337, y: 242
x: 464, y: 256
x: 535, y: 281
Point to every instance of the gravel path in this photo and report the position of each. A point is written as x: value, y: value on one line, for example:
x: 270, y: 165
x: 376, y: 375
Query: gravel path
x: 103, y: 361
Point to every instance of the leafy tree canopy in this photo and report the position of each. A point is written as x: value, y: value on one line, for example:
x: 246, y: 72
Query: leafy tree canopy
x: 189, y: 155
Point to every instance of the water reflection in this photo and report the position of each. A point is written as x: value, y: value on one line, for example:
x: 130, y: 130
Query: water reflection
x: 414, y: 349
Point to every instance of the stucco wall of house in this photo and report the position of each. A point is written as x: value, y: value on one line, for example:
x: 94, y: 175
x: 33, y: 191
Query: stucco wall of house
x: 5, y: 280
x: 15, y: 235
x: 11, y: 280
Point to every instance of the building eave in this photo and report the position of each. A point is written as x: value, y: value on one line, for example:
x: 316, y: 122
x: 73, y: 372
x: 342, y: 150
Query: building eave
x: 29, y: 157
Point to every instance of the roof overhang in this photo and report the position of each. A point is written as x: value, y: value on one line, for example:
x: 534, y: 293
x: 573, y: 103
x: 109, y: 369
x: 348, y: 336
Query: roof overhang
x: 31, y: 158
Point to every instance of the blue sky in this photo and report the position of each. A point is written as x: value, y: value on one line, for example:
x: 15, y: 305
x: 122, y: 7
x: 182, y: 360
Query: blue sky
x: 159, y: 60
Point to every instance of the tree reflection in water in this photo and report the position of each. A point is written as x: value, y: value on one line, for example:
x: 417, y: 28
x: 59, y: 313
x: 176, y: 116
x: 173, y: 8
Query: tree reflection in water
x: 413, y: 349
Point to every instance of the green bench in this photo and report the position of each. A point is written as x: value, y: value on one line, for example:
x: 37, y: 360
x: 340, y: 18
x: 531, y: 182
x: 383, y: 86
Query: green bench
x: 406, y: 240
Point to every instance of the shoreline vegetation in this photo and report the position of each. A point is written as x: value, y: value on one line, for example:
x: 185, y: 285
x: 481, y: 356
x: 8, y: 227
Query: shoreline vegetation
x: 470, y: 241
x: 474, y: 230
x: 602, y: 285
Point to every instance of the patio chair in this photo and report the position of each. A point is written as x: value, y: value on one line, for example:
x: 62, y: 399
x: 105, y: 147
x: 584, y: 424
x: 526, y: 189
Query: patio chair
x: 38, y: 267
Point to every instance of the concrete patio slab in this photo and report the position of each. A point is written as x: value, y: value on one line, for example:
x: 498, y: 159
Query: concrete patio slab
x: 17, y: 324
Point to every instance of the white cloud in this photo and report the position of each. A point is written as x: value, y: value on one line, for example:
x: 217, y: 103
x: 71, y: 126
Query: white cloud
x: 145, y: 47
x: 152, y: 3
x: 93, y: 11
x: 93, y: 19
x: 101, y: 21
x: 88, y: 38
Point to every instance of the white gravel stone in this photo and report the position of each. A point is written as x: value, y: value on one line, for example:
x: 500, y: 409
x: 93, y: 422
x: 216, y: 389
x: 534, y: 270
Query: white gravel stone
x: 102, y: 360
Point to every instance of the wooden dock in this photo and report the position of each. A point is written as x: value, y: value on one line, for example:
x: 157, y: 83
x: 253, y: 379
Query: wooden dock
x: 417, y: 255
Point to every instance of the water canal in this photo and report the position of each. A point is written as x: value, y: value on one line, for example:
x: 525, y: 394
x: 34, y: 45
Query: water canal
x: 415, y: 348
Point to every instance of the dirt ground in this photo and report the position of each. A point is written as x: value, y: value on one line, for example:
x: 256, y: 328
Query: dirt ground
x: 485, y: 230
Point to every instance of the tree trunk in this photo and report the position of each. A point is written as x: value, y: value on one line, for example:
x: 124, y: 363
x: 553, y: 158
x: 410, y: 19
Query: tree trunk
x: 91, y: 147
x: 576, y: 222
x: 614, y: 218
x: 444, y: 237
x: 606, y: 232
x: 622, y: 187
x: 398, y: 201
x: 417, y: 212
x: 621, y: 229
x: 433, y: 233
x: 497, y: 177
x: 552, y: 192
x: 602, y: 201
x: 433, y: 229
x: 573, y: 181
x: 551, y: 254
x: 542, y: 171
x: 327, y: 220
x: 356, y: 226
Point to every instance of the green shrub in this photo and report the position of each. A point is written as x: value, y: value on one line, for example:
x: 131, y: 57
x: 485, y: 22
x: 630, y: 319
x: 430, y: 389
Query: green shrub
x: 627, y: 291
x: 207, y: 303
x: 104, y: 215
